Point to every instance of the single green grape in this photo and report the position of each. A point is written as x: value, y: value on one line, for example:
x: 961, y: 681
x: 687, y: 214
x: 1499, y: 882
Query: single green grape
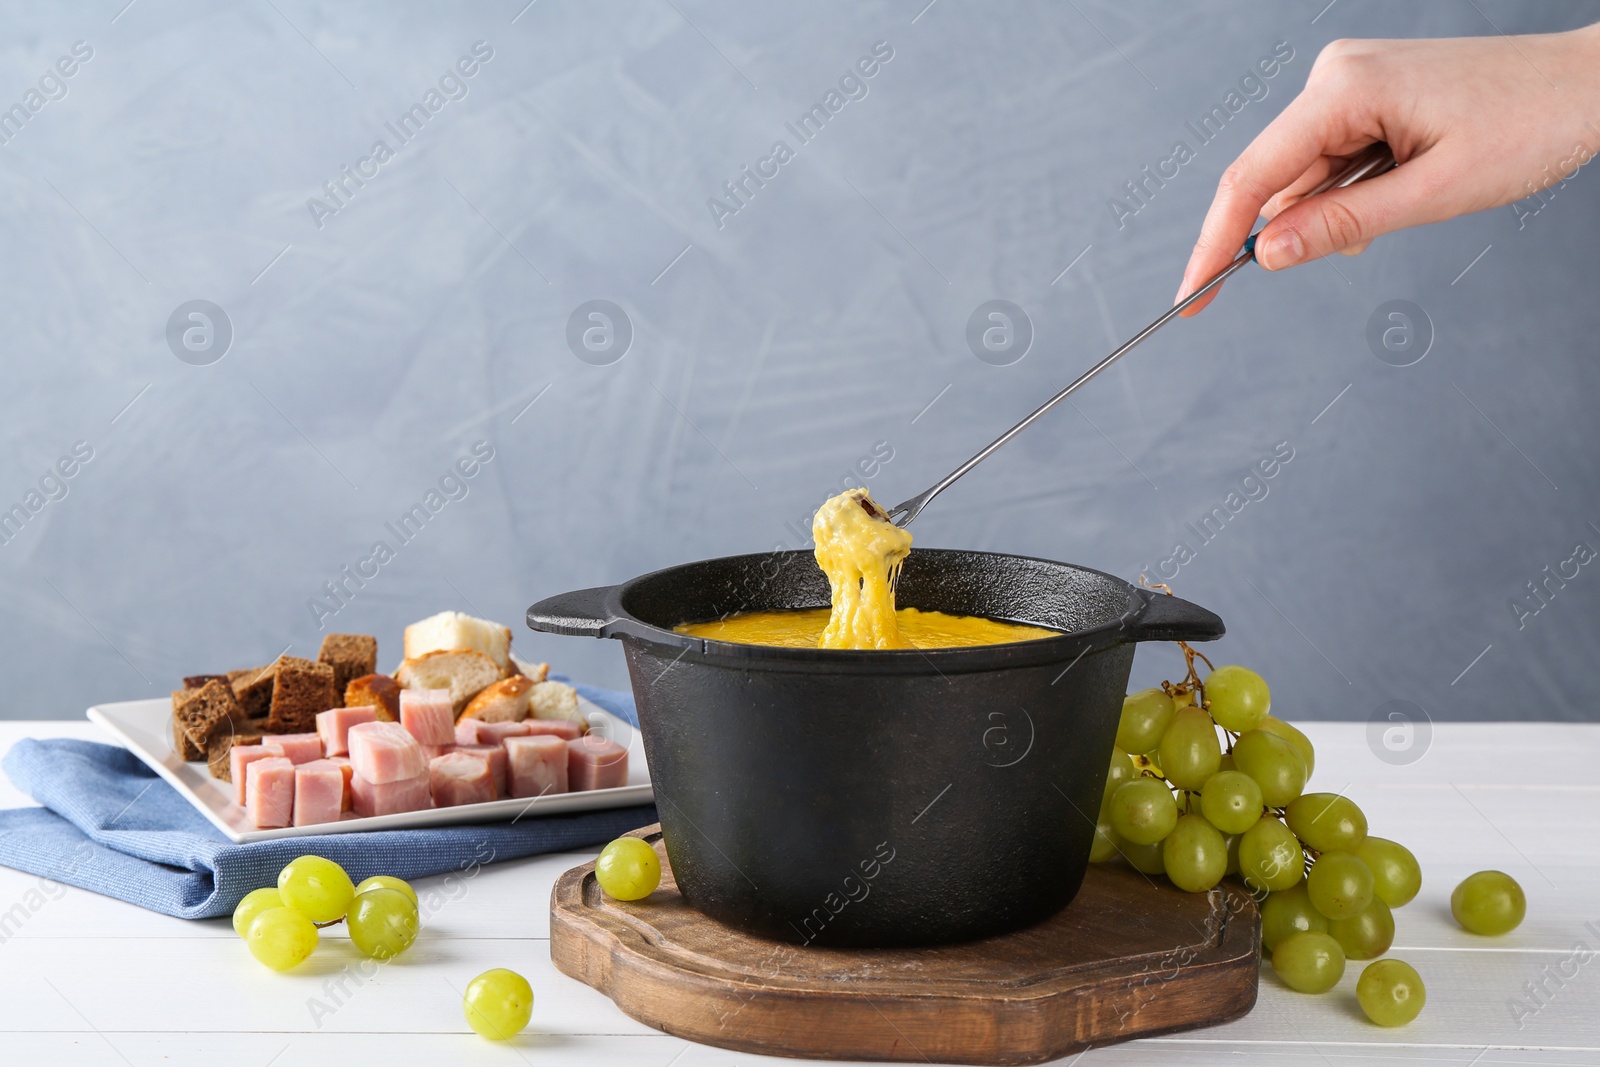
x: 1189, y: 752
x: 1288, y: 912
x: 1367, y: 934
x: 1142, y: 811
x: 385, y: 881
x: 1327, y: 821
x: 628, y: 869
x: 1290, y: 733
x: 1231, y: 801
x: 1147, y: 859
x: 1105, y: 842
x: 1309, y: 962
x: 1239, y: 698
x: 254, y: 903
x: 317, y: 888
x: 1145, y: 715
x: 1194, y: 855
x: 1270, y: 856
x: 499, y: 1003
x: 281, y: 938
x: 1390, y: 992
x: 383, y: 922
x: 1396, y: 875
x: 1340, y: 884
x: 1489, y: 903
x: 1273, y: 763
x: 1120, y: 771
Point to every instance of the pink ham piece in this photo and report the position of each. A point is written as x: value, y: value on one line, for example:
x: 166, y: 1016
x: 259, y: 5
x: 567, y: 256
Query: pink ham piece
x: 269, y: 792
x: 334, y: 727
x: 429, y: 714
x: 460, y: 778
x: 318, y: 792
x: 496, y: 755
x: 343, y: 763
x: 536, y: 766
x: 596, y: 762
x: 384, y: 752
x: 240, y: 757
x: 299, y: 748
x: 493, y: 733
x: 467, y: 731
x: 562, y: 728
x: 433, y: 752
x: 390, y: 798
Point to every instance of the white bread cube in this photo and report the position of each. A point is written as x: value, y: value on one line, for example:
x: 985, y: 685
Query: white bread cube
x: 451, y: 631
x: 465, y: 674
x: 555, y: 700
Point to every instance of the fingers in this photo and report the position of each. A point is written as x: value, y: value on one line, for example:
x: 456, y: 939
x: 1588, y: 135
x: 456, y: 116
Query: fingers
x: 1290, y: 145
x: 1348, y: 219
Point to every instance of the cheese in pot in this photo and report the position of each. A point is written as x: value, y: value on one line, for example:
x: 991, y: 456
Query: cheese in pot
x: 860, y: 551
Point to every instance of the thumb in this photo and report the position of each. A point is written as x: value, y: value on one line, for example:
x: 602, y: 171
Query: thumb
x: 1349, y: 218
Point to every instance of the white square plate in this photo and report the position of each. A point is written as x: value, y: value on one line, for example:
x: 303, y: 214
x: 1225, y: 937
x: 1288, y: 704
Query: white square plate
x: 144, y: 727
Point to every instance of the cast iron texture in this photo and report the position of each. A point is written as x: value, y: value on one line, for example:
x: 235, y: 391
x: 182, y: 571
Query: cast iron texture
x: 866, y: 798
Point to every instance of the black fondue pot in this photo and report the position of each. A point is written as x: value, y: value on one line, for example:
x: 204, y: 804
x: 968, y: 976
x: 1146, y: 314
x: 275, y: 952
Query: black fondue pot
x: 906, y: 797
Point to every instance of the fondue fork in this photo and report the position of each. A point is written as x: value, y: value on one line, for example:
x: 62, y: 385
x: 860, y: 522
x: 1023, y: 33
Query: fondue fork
x: 1373, y: 160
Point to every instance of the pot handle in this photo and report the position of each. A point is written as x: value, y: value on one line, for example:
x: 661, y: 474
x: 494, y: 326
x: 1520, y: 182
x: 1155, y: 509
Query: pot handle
x: 580, y: 613
x: 1170, y: 618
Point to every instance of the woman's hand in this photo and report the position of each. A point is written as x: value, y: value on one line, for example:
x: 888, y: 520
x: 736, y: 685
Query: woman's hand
x: 1475, y: 123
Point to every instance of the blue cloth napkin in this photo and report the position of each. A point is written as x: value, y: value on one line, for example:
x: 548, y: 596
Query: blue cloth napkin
x: 111, y: 825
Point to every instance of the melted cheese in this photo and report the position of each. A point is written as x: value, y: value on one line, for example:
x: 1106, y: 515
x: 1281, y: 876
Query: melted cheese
x: 860, y: 551
x: 802, y: 628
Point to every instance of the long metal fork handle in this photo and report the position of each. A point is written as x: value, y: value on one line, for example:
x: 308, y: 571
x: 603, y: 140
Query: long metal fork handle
x: 1370, y: 162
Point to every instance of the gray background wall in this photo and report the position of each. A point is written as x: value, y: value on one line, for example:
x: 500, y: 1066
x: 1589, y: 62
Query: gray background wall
x: 769, y: 355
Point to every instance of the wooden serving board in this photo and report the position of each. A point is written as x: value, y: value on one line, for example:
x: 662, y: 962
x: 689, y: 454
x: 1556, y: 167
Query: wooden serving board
x: 1131, y: 956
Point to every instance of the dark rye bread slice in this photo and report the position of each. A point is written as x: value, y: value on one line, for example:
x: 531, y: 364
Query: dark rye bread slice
x: 350, y: 655
x: 253, y: 689
x: 301, y: 688
x: 221, y: 744
x: 201, y: 712
x: 186, y: 749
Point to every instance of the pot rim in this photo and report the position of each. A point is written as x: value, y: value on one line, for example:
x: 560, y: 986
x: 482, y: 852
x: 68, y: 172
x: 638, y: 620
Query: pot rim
x: 1149, y: 616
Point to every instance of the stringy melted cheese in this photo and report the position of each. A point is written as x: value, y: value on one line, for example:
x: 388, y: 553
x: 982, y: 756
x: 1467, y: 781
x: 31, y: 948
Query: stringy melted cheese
x: 860, y: 552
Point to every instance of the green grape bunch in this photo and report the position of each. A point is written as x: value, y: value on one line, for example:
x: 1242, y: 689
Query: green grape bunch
x: 1206, y: 783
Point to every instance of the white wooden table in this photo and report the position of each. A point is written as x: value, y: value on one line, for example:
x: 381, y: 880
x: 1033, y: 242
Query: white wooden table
x: 89, y: 980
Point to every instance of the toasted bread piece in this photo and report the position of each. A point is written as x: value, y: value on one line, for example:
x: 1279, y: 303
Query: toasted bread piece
x: 253, y: 688
x: 300, y: 689
x: 351, y: 656
x: 201, y: 712
x: 555, y: 700
x: 451, y: 631
x: 186, y: 749
x: 504, y: 701
x: 464, y: 673
x: 375, y: 691
x: 534, y: 672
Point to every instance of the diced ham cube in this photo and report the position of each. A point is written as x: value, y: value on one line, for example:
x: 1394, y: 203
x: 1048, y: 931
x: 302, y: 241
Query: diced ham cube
x: 460, y: 778
x: 318, y: 792
x: 429, y: 714
x: 389, y: 798
x: 334, y: 727
x: 343, y: 763
x: 562, y: 728
x: 467, y: 731
x: 536, y: 766
x: 240, y: 757
x: 595, y: 762
x: 383, y: 752
x: 496, y: 755
x: 269, y: 792
x: 299, y: 748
